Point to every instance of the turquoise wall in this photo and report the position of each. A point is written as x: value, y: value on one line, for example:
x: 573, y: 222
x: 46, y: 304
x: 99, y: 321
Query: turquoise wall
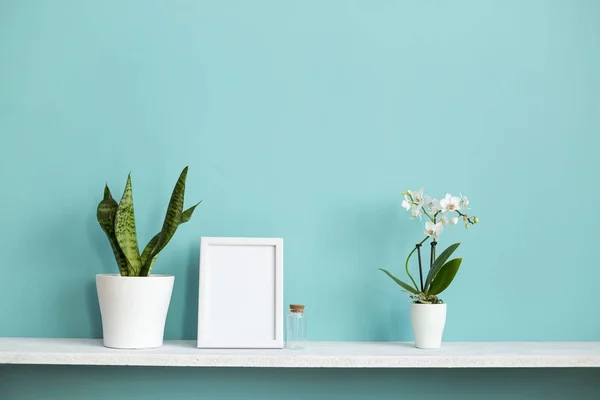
x: 305, y: 120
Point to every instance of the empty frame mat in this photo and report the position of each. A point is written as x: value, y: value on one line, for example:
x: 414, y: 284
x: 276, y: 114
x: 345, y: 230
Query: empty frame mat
x: 241, y: 293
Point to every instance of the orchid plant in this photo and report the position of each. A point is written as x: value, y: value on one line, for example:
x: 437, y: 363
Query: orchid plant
x: 439, y: 213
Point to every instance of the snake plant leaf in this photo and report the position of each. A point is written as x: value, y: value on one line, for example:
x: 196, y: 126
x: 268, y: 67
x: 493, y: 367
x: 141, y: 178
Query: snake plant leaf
x: 107, y: 210
x: 146, y: 264
x: 444, y: 277
x: 406, y: 286
x: 173, y: 216
x: 148, y: 249
x: 125, y: 230
x: 438, y: 263
x: 187, y: 214
x: 185, y: 217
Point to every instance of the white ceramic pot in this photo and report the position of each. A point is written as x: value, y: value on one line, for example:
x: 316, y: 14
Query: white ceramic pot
x: 428, y: 321
x: 134, y: 309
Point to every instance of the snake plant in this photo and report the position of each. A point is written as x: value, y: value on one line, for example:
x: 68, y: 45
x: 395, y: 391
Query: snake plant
x: 117, y: 220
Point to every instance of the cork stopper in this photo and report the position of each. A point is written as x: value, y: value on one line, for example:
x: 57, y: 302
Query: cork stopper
x: 297, y: 308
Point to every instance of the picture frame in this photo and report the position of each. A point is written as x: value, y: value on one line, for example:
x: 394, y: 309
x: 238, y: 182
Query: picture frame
x: 240, y: 304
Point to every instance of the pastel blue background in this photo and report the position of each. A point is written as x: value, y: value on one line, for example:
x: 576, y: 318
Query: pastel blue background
x: 305, y: 120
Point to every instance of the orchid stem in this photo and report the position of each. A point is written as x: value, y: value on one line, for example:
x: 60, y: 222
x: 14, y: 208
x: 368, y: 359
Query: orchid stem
x: 428, y: 216
x: 408, y: 259
x: 469, y: 220
x: 420, y: 265
x: 432, y: 259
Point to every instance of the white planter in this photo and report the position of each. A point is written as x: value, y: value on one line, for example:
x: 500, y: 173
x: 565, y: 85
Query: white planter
x: 428, y: 321
x: 134, y: 309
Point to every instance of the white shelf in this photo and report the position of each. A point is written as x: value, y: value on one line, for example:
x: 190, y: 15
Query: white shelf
x: 316, y: 355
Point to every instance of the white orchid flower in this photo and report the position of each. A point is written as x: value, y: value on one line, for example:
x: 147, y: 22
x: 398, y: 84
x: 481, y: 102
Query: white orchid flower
x: 450, y: 203
x: 444, y: 220
x: 464, y: 201
x: 416, y: 211
x: 432, y: 204
x: 406, y: 204
x: 434, y: 230
x: 417, y: 196
x: 454, y: 220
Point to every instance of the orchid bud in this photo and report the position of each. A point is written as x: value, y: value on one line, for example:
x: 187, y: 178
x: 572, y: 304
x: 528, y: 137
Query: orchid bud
x: 409, y: 192
x: 475, y: 220
x: 467, y: 226
x: 465, y: 218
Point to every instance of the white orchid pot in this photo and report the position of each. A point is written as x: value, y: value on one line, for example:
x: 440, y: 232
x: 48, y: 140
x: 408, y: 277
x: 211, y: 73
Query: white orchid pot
x: 428, y: 322
x: 134, y: 309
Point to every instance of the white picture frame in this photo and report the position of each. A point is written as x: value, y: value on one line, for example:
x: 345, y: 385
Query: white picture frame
x: 240, y: 304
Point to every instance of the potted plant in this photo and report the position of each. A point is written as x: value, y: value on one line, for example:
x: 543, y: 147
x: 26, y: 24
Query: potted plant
x: 428, y: 311
x: 133, y: 303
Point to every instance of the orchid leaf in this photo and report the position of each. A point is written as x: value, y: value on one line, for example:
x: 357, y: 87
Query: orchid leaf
x: 444, y: 277
x: 404, y: 285
x: 438, y: 263
x: 106, y: 213
x: 125, y: 231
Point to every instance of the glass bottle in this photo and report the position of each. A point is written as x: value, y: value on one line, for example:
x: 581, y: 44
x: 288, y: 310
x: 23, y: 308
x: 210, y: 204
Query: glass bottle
x: 296, y: 327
